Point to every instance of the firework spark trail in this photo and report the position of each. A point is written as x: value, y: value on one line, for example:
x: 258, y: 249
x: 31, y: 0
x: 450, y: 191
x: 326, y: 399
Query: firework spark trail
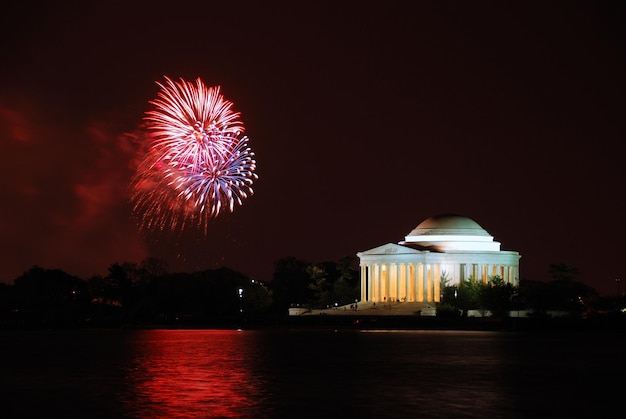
x: 185, y: 112
x: 198, y: 163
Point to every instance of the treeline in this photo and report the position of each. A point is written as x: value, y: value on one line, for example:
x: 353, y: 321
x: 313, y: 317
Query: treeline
x: 562, y: 296
x: 147, y: 294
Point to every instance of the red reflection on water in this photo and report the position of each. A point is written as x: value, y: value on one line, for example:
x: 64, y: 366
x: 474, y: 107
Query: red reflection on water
x: 193, y: 373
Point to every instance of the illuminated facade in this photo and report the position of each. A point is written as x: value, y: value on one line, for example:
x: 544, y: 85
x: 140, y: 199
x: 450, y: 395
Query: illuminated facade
x: 445, y: 248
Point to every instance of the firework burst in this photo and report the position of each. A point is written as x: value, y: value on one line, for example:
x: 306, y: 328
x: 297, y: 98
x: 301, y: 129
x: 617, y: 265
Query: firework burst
x: 198, y: 163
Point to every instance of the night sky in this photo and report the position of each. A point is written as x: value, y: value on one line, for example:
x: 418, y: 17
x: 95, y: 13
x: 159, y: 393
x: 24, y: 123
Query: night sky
x: 366, y: 118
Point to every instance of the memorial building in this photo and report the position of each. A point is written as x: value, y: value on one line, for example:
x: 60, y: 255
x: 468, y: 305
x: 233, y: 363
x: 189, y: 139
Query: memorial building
x: 442, y: 250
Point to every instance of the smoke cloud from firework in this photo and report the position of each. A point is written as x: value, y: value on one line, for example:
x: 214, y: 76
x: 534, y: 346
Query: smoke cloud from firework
x: 196, y: 161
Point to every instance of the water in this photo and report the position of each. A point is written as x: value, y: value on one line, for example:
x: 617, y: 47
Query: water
x: 310, y: 373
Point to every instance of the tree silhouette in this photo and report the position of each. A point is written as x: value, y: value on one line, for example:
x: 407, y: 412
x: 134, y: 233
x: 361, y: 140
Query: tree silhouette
x: 563, y: 271
x: 50, y: 297
x: 346, y: 288
x: 496, y: 296
x: 290, y: 284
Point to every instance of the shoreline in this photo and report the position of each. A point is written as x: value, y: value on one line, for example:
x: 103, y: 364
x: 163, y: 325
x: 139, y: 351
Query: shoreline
x: 366, y: 322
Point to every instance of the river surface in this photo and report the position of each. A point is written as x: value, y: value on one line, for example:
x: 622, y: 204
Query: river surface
x: 311, y: 373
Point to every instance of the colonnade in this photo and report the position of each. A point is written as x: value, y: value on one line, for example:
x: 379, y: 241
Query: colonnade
x: 421, y: 282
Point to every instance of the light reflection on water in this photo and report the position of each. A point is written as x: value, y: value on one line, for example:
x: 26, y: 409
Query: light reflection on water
x: 310, y: 374
x: 193, y: 373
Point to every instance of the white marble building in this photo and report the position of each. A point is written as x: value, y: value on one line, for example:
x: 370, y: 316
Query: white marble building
x: 445, y: 247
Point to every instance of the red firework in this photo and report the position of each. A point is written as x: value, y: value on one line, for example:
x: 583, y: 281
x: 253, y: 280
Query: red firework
x: 198, y: 162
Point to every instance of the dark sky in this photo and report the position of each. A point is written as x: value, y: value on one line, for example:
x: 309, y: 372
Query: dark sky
x: 366, y: 118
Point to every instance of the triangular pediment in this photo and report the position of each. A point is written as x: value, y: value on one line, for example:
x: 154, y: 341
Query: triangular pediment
x: 389, y: 249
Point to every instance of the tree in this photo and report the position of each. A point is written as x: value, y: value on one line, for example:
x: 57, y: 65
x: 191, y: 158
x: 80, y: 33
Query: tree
x: 257, y: 298
x: 563, y: 293
x: 120, y: 284
x: 51, y: 296
x: 151, y: 268
x: 570, y: 296
x: 448, y: 306
x: 290, y: 284
x: 496, y: 296
x: 333, y: 283
x: 458, y: 298
x: 346, y: 288
x: 567, y: 294
x: 319, y: 285
x: 467, y: 296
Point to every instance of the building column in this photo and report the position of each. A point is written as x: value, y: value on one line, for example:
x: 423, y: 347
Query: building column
x: 364, y: 280
x: 385, y: 282
x: 428, y: 282
x: 402, y: 287
x: 393, y: 285
x: 512, y: 275
x: 368, y: 290
x: 399, y: 291
x: 411, y: 282
x: 407, y: 279
x: 421, y: 269
x: 437, y: 283
x: 377, y: 283
x: 373, y: 282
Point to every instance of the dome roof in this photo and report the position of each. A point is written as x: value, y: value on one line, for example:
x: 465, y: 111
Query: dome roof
x: 448, y: 225
x: 451, y: 232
